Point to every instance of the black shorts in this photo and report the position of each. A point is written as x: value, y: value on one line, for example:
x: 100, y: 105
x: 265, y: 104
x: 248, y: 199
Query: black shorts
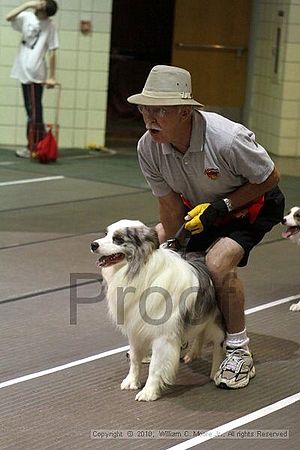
x: 247, y: 234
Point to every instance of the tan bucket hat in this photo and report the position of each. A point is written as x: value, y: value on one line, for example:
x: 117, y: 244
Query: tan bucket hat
x: 166, y: 86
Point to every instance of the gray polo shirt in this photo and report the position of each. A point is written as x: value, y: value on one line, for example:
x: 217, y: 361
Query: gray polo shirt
x: 222, y: 156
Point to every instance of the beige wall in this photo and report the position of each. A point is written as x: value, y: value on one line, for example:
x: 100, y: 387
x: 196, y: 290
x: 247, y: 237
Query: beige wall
x: 82, y: 68
x: 275, y: 99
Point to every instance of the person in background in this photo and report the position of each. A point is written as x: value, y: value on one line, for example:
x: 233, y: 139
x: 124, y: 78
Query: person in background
x: 38, y: 36
x: 209, y: 173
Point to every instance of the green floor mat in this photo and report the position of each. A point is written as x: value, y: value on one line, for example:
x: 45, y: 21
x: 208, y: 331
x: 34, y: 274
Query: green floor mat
x: 122, y: 169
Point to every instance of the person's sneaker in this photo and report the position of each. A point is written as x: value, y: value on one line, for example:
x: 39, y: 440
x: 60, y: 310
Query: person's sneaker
x: 236, y: 370
x: 23, y: 153
x: 147, y: 358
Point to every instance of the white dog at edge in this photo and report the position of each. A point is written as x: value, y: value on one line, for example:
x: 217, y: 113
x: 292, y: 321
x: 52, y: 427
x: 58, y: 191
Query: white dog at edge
x: 292, y: 222
x: 157, y: 299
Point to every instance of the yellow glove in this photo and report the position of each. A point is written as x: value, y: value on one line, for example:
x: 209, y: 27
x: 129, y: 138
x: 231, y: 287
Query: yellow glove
x: 204, y: 215
x: 194, y: 223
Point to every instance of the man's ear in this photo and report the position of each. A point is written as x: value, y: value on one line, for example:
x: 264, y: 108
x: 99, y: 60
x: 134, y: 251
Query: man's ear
x: 186, y: 112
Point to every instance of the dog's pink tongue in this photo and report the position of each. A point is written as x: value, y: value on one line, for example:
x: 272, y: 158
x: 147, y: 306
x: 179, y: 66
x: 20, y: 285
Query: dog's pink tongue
x: 286, y: 234
x: 102, y: 261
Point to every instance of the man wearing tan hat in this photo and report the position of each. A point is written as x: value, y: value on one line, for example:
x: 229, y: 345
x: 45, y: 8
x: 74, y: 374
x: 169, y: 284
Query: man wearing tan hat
x: 211, y: 173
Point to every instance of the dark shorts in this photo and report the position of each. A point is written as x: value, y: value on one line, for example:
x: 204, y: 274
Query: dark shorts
x: 247, y: 234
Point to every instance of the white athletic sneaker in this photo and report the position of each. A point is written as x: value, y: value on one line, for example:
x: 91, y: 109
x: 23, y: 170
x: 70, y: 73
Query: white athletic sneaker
x: 23, y: 153
x: 236, y: 370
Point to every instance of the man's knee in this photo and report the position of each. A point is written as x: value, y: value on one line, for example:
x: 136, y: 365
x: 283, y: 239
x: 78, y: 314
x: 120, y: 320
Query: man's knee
x: 215, y: 269
x: 222, y: 260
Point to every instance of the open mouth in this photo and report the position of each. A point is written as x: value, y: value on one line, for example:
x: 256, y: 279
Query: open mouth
x: 154, y: 131
x: 290, y: 231
x: 109, y: 260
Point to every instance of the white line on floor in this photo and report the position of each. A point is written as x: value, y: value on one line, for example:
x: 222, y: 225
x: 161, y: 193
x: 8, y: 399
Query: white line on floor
x: 31, y: 180
x: 215, y: 432
x: 119, y: 350
x: 42, y: 373
x: 271, y: 304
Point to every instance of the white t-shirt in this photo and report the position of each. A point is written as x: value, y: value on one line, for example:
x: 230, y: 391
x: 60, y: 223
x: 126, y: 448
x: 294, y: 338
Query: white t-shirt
x: 38, y: 36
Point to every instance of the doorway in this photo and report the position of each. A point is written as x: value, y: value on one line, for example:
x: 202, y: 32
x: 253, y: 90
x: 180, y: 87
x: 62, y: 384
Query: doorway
x: 211, y: 41
x: 207, y: 37
x: 141, y: 37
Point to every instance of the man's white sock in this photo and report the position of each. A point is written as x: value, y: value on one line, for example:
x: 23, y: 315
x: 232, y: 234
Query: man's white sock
x: 237, y: 340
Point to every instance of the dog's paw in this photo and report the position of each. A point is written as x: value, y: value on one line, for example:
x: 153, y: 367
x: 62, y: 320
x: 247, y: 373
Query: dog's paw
x: 191, y: 356
x: 295, y: 307
x: 130, y: 384
x: 147, y: 395
x: 187, y: 359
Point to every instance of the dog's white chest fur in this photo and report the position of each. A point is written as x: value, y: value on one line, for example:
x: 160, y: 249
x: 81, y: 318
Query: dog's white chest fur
x: 151, y: 301
x: 292, y: 222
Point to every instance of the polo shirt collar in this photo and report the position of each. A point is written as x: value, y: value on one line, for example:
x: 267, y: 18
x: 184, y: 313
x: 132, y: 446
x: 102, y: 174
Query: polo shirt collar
x: 198, y: 132
x: 197, y: 138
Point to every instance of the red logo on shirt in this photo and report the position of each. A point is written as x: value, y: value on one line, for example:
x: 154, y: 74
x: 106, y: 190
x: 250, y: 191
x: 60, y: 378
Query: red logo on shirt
x: 212, y: 173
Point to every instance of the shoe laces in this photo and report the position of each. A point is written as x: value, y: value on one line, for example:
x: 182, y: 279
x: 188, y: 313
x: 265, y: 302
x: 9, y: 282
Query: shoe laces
x: 234, y: 359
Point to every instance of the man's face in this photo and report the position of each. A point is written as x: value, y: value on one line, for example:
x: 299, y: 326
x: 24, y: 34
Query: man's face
x: 161, y: 122
x: 40, y: 9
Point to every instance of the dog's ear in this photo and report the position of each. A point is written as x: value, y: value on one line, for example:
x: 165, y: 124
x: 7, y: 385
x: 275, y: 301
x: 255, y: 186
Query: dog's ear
x: 144, y: 234
x: 144, y: 241
x: 152, y: 237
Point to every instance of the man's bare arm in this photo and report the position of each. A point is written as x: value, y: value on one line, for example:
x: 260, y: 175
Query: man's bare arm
x: 172, y: 212
x: 51, y: 81
x: 18, y: 9
x: 249, y: 192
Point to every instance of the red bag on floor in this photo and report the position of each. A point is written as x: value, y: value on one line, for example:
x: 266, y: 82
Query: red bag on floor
x: 46, y: 149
